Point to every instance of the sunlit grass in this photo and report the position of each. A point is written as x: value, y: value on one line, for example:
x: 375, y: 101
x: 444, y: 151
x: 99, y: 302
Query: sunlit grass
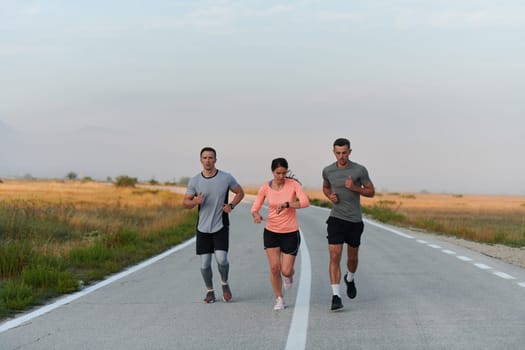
x: 56, y: 236
x: 488, y: 219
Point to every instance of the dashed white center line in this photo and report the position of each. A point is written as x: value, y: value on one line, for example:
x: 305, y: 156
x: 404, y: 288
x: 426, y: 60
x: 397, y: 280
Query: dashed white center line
x: 522, y: 284
x: 435, y: 246
x: 299, y: 326
x: 450, y: 252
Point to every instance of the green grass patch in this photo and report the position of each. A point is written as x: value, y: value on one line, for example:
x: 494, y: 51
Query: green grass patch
x: 15, y: 296
x: 320, y: 203
x: 50, y: 280
x: 14, y: 256
x: 100, y: 241
x: 384, y: 214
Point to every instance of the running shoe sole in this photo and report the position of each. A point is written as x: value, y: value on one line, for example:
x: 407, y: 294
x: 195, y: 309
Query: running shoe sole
x: 279, y: 304
x: 210, y: 297
x: 337, y: 304
x: 226, y: 293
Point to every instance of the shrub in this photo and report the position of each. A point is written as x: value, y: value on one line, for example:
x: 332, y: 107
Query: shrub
x: 14, y: 256
x: 122, y: 238
x: 408, y: 196
x: 71, y: 175
x: 94, y: 256
x: 184, y: 180
x: 320, y: 203
x: 126, y: 181
x: 16, y: 295
x: 384, y: 212
x: 49, y: 279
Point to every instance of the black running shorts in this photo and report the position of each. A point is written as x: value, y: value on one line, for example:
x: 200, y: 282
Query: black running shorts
x: 342, y: 231
x: 208, y: 243
x: 288, y: 242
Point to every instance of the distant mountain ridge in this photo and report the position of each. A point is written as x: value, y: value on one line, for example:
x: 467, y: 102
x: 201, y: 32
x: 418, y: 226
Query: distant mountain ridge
x: 94, y: 151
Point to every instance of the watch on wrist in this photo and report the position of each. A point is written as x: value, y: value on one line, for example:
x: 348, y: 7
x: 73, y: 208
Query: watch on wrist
x: 232, y: 206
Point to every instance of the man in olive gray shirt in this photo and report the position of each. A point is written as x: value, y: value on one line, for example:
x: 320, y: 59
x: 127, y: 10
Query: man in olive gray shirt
x: 344, y: 182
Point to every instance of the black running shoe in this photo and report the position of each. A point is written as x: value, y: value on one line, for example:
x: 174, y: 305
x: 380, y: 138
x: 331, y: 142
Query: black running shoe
x: 336, y: 303
x: 350, y: 288
x: 210, y: 297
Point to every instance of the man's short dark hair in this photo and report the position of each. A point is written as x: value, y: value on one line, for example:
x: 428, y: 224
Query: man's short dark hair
x: 209, y: 149
x: 342, y: 142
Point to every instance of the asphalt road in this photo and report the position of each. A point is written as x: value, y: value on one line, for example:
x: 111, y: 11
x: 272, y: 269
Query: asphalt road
x: 413, y: 292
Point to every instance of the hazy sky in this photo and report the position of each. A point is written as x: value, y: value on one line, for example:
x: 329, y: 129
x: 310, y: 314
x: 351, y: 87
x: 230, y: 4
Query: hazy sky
x: 431, y: 93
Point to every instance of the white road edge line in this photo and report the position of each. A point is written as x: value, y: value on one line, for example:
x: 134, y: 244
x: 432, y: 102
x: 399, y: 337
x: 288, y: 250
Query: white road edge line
x: 504, y: 275
x: 482, y: 266
x: 460, y: 257
x: 399, y: 233
x: 299, y: 326
x: 69, y: 298
x: 464, y: 258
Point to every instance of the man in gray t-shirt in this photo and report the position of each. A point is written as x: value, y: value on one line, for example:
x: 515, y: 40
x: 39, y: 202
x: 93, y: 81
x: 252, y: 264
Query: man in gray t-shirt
x: 209, y: 190
x: 344, y: 182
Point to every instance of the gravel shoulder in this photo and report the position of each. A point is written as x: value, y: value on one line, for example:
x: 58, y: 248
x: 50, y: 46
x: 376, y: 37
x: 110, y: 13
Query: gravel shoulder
x: 511, y: 255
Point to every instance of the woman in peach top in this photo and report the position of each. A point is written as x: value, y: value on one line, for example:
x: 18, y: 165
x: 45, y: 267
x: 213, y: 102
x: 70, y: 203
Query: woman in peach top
x: 281, y: 233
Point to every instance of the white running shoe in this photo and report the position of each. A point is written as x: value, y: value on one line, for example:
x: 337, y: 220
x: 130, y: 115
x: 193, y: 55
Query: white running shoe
x: 288, y: 282
x: 279, y: 304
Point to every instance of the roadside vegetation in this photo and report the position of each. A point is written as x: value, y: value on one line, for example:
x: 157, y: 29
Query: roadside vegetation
x: 58, y: 236
x: 485, y: 219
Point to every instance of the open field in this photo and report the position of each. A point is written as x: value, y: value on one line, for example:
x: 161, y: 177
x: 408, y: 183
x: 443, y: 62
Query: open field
x: 56, y: 236
x: 492, y: 225
x: 433, y: 201
x: 483, y: 218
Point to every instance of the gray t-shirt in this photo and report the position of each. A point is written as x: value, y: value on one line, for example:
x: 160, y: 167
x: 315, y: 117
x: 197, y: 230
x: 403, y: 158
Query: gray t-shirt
x: 215, y: 192
x: 349, y: 206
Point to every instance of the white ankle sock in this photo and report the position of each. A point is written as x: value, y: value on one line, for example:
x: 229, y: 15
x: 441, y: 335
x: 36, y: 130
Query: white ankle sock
x: 336, y: 290
x: 349, y: 276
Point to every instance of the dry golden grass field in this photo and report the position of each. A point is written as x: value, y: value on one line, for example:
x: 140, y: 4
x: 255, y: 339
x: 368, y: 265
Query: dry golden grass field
x: 481, y: 218
x: 447, y: 202
x: 91, y: 207
x: 491, y: 225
